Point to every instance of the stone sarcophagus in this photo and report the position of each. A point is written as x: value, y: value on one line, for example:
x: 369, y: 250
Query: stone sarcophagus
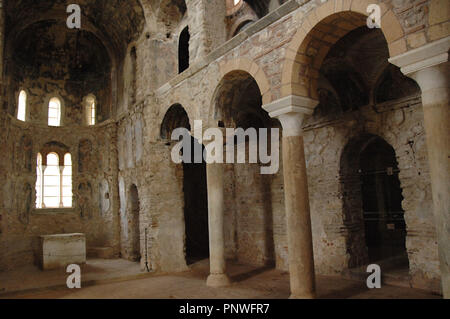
x: 58, y: 251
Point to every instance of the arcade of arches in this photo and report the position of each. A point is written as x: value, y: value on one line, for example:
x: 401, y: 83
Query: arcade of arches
x: 363, y: 115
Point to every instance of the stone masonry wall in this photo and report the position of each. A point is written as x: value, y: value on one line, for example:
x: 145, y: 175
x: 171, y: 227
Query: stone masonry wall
x: 402, y: 127
x: 93, y: 182
x: 195, y: 91
x: 133, y: 153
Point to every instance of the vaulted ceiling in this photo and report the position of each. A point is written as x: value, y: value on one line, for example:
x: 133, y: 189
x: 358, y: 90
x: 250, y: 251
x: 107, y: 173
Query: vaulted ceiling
x: 115, y: 21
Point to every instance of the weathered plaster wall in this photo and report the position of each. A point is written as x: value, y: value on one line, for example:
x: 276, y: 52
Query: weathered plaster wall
x: 94, y: 177
x: 46, y: 59
x: 71, y: 67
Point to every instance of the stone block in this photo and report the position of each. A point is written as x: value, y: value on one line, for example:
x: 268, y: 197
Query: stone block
x: 58, y: 251
x: 439, y: 31
x: 416, y: 40
x: 397, y: 47
x: 394, y: 31
x: 439, y: 11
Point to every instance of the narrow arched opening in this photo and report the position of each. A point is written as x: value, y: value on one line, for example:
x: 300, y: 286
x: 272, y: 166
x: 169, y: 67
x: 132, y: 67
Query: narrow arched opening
x: 384, y: 223
x: 134, y: 220
x: 183, y: 50
x: 194, y: 187
x: 22, y: 106
x: 195, y: 207
x: 372, y: 203
x: 249, y: 220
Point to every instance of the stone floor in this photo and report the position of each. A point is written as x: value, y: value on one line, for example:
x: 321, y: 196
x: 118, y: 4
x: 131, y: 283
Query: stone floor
x: 248, y: 282
x: 95, y: 271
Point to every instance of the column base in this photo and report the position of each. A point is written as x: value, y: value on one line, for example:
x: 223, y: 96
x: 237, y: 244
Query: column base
x: 218, y: 280
x: 303, y: 296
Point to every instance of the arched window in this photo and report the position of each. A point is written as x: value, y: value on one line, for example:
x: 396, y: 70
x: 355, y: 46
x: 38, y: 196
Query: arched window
x: 54, y: 112
x: 22, y: 106
x: 93, y: 113
x: 183, y: 50
x: 132, y: 94
x: 91, y: 110
x: 54, y: 182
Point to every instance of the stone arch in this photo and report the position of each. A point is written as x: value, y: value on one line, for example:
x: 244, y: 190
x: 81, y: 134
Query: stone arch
x: 100, y: 77
x: 239, y: 17
x: 191, y: 216
x: 320, y: 30
x: 54, y: 147
x: 239, y: 95
x: 253, y: 69
x: 101, y: 46
x: 354, y: 189
x: 237, y: 102
x: 391, y: 84
x: 175, y: 117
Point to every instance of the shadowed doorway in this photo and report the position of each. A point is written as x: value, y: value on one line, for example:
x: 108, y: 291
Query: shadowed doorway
x: 385, y: 228
x: 196, y: 208
x: 135, y: 225
x: 372, y: 203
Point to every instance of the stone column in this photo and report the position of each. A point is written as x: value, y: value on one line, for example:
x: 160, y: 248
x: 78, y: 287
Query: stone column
x: 217, y: 277
x: 61, y: 185
x: 291, y: 112
x: 429, y: 67
x: 44, y: 167
x: 41, y: 190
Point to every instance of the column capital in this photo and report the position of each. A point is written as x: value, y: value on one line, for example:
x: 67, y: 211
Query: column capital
x: 291, y: 104
x: 427, y: 56
x: 291, y: 111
